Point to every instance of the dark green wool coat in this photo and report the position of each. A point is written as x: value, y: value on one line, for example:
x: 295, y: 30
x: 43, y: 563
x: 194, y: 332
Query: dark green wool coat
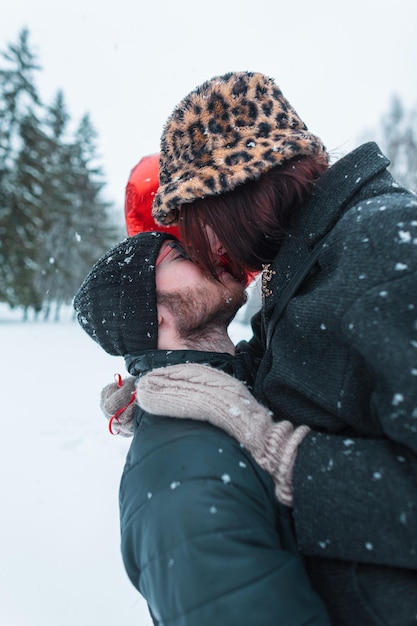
x: 343, y: 360
x: 203, y: 538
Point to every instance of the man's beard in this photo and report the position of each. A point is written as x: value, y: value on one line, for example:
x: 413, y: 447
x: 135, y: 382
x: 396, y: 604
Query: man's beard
x: 198, y: 316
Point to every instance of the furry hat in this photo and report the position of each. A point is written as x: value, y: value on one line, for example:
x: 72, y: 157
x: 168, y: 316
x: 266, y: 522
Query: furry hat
x: 231, y: 129
x: 116, y: 304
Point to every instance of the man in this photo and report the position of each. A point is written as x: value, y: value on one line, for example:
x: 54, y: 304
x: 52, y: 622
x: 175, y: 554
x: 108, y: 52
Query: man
x: 203, y: 538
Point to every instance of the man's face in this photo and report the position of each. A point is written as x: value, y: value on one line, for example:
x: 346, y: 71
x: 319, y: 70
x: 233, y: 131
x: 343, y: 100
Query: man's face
x: 195, y: 297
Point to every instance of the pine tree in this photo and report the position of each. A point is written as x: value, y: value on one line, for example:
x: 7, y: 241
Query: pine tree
x: 29, y: 217
x: 54, y: 223
x: 56, y: 203
x: 19, y: 102
x: 82, y: 228
x: 94, y: 227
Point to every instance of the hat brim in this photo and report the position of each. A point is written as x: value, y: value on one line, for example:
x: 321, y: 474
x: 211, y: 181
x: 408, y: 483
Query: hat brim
x: 227, y: 169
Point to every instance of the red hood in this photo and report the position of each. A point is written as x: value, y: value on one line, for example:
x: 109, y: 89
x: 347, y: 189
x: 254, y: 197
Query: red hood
x: 140, y: 191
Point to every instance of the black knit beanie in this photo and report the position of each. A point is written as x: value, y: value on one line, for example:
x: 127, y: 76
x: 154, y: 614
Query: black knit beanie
x: 116, y: 304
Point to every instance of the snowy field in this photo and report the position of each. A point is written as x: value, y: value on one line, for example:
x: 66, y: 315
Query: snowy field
x: 60, y: 562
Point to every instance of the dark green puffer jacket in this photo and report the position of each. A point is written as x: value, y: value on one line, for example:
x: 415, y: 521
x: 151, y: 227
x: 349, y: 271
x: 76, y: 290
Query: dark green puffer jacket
x: 343, y: 360
x: 203, y: 537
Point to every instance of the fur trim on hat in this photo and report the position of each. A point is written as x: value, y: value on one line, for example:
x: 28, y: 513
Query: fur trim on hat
x: 231, y: 129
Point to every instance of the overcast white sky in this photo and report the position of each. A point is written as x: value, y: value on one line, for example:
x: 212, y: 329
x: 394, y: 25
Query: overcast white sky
x: 129, y: 62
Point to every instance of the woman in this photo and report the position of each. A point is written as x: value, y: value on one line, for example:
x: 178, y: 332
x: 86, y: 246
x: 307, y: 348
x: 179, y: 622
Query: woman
x: 336, y: 339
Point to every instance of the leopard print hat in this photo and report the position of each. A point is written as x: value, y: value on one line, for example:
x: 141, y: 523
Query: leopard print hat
x: 229, y: 130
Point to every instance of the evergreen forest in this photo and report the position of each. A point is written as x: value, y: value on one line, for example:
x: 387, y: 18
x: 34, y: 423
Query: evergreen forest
x: 54, y: 223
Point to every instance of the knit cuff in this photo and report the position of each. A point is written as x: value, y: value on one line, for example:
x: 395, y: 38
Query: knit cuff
x: 284, y: 476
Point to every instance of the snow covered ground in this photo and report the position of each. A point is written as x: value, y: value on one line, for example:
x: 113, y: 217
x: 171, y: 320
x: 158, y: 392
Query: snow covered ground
x: 60, y: 562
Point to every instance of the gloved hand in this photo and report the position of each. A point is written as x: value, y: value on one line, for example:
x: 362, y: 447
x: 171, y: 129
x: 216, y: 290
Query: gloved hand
x: 117, y: 401
x: 203, y: 393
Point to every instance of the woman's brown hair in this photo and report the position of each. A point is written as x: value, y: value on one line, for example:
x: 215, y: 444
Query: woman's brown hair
x: 252, y: 220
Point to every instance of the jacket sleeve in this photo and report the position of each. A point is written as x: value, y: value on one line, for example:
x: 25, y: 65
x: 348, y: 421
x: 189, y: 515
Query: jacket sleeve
x: 203, y: 538
x: 365, y: 485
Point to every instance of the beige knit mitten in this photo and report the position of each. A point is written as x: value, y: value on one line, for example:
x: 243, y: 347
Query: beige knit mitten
x: 117, y: 401
x: 201, y: 392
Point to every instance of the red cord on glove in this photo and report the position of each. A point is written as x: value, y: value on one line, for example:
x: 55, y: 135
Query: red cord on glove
x: 119, y: 381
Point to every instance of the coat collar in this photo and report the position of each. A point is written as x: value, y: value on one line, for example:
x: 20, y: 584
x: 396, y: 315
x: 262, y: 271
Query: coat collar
x: 348, y: 179
x: 343, y: 181
x: 239, y: 365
